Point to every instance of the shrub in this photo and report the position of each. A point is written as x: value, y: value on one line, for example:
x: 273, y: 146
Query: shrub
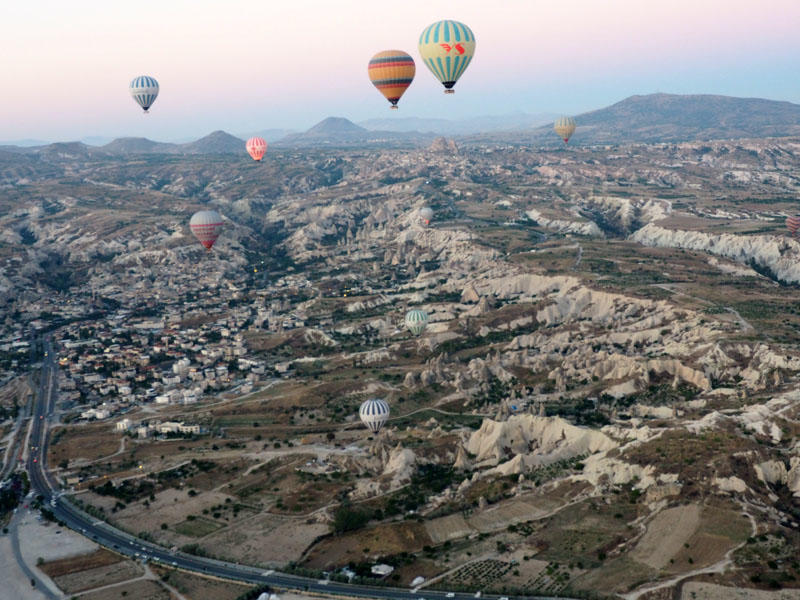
x: 348, y: 519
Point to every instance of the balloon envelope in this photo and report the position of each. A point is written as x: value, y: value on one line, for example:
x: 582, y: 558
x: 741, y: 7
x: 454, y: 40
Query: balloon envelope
x: 374, y: 413
x: 565, y: 127
x: 144, y: 90
x: 416, y: 321
x: 206, y: 226
x: 256, y: 147
x: 793, y: 224
x: 426, y: 214
x: 447, y: 48
x: 391, y: 71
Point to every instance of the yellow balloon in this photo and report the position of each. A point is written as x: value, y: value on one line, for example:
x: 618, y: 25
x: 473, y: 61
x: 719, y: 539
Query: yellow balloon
x: 565, y: 127
x: 447, y: 48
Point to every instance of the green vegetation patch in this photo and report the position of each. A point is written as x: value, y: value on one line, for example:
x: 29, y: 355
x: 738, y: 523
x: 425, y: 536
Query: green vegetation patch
x: 197, y: 527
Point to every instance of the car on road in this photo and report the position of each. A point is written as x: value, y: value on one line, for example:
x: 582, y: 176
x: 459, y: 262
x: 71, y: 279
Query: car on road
x: 478, y: 594
x: 450, y: 595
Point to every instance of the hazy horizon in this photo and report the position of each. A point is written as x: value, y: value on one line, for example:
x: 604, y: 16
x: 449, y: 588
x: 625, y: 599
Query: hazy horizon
x: 246, y: 67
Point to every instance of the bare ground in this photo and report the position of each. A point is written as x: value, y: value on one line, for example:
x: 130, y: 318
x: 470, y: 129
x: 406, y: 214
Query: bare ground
x: 98, y: 577
x: 666, y: 534
x: 65, y: 566
x: 711, y: 591
x: 194, y: 587
x: 142, y: 589
x: 265, y: 539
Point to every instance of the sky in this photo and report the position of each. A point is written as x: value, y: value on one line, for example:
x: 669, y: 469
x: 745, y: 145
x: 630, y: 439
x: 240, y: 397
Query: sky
x: 248, y: 65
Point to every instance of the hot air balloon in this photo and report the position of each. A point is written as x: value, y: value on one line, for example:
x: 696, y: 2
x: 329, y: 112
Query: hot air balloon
x: 256, y: 147
x: 144, y: 90
x: 426, y: 214
x: 206, y: 225
x: 564, y: 127
x: 793, y: 224
x: 374, y: 413
x: 447, y: 47
x: 391, y: 71
x: 416, y: 321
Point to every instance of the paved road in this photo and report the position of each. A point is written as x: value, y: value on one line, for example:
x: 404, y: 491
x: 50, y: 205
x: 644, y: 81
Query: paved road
x: 129, y: 545
x: 31, y: 574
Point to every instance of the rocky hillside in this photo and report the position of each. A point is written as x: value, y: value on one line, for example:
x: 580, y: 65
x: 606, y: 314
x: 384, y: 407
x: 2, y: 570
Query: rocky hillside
x: 340, y: 132
x: 672, y: 118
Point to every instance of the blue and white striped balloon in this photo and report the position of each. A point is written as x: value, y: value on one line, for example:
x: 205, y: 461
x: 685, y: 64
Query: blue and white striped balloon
x: 374, y: 413
x: 144, y: 90
x: 447, y: 48
x: 416, y: 321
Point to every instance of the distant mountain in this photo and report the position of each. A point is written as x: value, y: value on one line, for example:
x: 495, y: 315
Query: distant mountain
x: 337, y: 131
x: 335, y: 126
x: 270, y: 135
x: 137, y: 145
x: 672, y: 118
x: 14, y: 149
x: 217, y: 142
x: 26, y: 143
x: 460, y: 126
x: 68, y: 150
x: 97, y: 140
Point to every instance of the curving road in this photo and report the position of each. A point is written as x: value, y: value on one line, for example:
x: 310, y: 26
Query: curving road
x: 129, y: 545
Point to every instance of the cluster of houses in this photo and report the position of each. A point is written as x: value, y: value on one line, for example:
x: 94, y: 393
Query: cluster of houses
x: 172, y: 352
x: 143, y: 430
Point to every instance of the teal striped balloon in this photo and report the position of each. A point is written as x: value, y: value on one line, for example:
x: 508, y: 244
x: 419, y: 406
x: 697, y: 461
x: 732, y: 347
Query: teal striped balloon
x: 447, y: 48
x: 416, y: 321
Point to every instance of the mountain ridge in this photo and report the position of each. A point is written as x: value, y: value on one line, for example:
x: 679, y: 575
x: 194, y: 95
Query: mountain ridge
x: 654, y: 118
x: 647, y: 118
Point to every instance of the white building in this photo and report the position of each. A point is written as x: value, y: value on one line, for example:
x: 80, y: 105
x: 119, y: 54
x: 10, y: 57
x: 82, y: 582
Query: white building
x: 95, y: 413
x: 381, y: 570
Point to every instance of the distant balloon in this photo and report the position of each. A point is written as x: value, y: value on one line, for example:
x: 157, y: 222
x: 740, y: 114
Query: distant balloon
x: 426, y: 214
x: 565, y: 127
x: 416, y: 321
x: 374, y: 413
x: 256, y: 147
x: 205, y: 226
x: 391, y: 71
x: 144, y: 90
x: 447, y: 47
x: 793, y: 224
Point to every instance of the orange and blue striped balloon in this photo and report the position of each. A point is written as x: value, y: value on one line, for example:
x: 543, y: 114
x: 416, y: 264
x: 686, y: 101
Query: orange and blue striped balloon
x: 391, y: 71
x: 447, y: 48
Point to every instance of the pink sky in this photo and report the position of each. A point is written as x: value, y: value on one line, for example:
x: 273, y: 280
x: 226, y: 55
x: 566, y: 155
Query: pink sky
x: 244, y: 64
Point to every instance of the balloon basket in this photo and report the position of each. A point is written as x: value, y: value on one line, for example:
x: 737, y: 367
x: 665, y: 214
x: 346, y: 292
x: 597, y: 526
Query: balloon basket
x: 393, y: 107
x: 449, y: 91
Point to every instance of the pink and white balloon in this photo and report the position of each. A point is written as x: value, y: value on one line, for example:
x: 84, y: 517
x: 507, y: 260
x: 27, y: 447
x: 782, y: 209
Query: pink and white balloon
x: 206, y: 226
x: 256, y: 147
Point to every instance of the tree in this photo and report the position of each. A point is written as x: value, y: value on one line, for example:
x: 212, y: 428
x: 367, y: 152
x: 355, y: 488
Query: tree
x: 348, y: 519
